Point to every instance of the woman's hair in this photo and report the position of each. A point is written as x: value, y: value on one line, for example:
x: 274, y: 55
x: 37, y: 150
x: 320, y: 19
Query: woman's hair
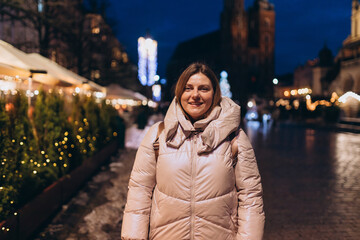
x: 193, y: 69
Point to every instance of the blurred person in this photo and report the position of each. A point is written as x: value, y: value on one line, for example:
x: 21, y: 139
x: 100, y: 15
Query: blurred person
x: 203, y: 182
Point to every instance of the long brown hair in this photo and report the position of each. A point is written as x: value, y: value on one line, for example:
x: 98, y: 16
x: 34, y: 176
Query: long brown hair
x: 193, y: 69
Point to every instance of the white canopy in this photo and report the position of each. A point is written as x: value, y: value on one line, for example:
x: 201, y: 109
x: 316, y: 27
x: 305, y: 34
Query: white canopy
x: 115, y: 91
x: 63, y: 74
x: 6, y: 69
x: 9, y: 55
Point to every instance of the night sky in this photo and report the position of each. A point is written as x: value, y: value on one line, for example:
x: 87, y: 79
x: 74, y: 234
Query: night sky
x: 302, y: 26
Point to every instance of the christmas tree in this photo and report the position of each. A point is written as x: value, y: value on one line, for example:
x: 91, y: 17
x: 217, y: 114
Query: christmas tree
x: 224, y: 85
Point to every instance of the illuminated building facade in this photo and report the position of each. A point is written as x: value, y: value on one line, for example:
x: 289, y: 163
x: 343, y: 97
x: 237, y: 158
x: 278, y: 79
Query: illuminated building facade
x: 348, y: 58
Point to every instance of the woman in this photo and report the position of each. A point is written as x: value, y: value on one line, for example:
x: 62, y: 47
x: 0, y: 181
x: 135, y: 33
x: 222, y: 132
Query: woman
x: 196, y: 188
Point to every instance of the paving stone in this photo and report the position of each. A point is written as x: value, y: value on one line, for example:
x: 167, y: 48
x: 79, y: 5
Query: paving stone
x: 310, y: 179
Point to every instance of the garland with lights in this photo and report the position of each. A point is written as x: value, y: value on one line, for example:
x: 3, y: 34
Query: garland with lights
x: 40, y: 144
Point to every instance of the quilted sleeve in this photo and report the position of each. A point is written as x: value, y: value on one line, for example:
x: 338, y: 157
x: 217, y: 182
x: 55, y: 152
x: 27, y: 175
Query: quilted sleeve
x: 136, y: 218
x: 251, y: 217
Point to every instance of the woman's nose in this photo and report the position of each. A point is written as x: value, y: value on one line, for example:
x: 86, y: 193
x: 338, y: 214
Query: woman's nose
x: 195, y: 93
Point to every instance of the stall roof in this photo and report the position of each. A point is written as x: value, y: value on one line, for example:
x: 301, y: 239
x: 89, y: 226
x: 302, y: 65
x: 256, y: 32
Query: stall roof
x: 57, y: 70
x: 9, y: 55
x: 116, y: 91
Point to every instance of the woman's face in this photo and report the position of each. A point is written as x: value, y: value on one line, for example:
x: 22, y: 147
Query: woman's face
x: 197, y: 96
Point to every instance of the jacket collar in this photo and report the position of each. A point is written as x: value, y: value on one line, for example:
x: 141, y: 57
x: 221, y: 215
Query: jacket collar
x: 222, y: 121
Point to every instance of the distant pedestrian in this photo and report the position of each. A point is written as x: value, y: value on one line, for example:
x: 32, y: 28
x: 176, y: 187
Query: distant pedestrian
x: 203, y: 182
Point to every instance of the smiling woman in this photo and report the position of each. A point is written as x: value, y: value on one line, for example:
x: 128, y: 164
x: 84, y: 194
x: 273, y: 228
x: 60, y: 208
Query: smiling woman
x: 198, y: 90
x: 203, y: 181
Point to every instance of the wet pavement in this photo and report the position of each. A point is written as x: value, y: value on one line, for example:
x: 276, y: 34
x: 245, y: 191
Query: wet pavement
x: 311, y: 181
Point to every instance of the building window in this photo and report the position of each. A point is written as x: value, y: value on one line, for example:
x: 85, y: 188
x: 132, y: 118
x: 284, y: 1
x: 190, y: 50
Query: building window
x: 116, y: 53
x: 113, y: 64
x: 95, y: 26
x: 95, y: 74
x: 125, y: 58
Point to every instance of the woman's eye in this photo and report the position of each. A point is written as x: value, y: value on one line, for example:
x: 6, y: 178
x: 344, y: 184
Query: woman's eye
x: 187, y: 88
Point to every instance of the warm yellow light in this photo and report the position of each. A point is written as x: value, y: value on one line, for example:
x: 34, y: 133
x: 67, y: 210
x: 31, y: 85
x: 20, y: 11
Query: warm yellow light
x: 334, y: 97
x: 293, y: 92
x: 286, y: 93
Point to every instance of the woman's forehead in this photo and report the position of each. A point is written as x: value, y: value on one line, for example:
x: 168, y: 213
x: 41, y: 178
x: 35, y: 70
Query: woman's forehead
x: 200, y: 79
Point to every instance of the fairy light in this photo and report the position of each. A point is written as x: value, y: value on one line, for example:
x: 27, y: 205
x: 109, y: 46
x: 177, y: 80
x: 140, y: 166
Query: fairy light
x: 147, y: 65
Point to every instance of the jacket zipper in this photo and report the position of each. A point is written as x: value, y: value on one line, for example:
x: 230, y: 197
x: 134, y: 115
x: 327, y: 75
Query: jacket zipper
x: 192, y: 200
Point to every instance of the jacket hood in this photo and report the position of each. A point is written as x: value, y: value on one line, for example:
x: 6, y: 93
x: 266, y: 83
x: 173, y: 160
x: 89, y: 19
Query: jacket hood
x: 222, y: 121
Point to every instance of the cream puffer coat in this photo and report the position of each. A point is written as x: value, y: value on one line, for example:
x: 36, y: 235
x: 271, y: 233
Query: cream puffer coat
x: 193, y: 190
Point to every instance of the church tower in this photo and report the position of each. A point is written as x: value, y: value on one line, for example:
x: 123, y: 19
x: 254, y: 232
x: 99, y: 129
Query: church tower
x: 261, y: 46
x: 234, y: 30
x: 248, y: 43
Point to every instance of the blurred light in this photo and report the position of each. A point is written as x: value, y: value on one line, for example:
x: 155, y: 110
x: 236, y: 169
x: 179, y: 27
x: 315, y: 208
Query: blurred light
x: 224, y: 74
x: 296, y: 104
x: 286, y: 93
x: 77, y: 90
x: 7, y: 86
x: 147, y: 65
x: 344, y: 98
x: 334, y: 97
x: 156, y: 78
x: 293, y: 92
x: 251, y: 115
x: 156, y: 89
x: 163, y: 81
x: 250, y: 104
x: 275, y: 81
x: 266, y: 117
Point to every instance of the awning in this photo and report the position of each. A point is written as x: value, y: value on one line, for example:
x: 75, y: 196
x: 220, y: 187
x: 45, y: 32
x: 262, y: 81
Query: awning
x: 8, y: 70
x: 64, y: 75
x: 115, y: 91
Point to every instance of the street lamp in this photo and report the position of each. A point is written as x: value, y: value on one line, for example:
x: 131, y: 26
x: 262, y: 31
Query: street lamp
x: 275, y: 81
x: 33, y: 71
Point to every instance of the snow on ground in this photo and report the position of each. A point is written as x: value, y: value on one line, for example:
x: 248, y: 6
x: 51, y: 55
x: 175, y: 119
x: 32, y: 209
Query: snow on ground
x: 134, y: 136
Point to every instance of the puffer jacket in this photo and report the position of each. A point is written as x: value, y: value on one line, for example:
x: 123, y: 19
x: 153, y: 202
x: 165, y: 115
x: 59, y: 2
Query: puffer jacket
x: 193, y: 190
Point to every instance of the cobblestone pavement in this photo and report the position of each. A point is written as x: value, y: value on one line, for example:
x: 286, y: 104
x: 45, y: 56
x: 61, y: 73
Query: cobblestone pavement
x: 95, y: 213
x: 310, y: 179
x: 311, y: 182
